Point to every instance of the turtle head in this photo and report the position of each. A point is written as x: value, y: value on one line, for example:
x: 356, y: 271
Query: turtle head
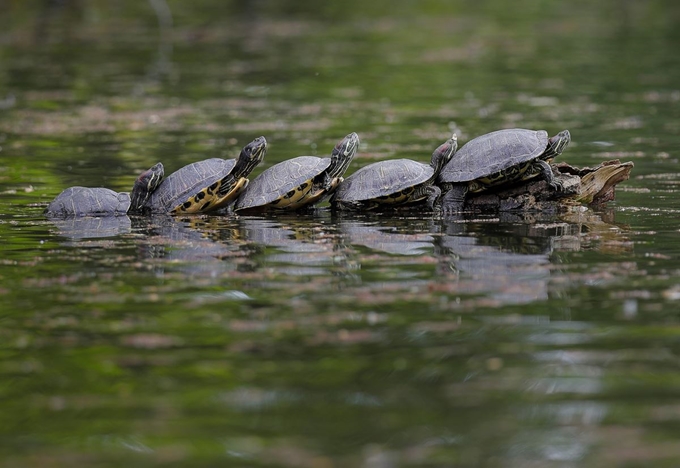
x: 144, y: 186
x: 444, y: 153
x: 251, y: 155
x: 557, y: 144
x: 342, y: 155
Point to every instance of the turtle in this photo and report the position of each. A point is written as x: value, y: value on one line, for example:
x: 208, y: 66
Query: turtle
x: 99, y: 201
x: 500, y: 158
x: 298, y: 182
x: 207, y: 185
x: 394, y: 182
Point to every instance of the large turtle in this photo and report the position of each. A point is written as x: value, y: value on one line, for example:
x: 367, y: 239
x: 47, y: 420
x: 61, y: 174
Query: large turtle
x: 395, y: 182
x: 298, y: 182
x: 499, y: 158
x: 207, y: 185
x: 99, y: 201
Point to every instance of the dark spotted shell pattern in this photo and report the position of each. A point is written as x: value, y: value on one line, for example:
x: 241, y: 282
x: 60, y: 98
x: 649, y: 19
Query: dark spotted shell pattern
x: 383, y: 178
x: 279, y: 179
x: 187, y: 181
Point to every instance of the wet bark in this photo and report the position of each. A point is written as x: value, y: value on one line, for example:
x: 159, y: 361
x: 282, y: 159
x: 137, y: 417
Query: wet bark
x: 587, y: 185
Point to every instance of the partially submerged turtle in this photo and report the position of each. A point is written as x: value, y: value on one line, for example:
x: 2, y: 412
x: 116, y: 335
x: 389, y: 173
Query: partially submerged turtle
x: 499, y: 158
x: 207, y: 185
x: 99, y: 201
x: 395, y: 182
x: 299, y: 182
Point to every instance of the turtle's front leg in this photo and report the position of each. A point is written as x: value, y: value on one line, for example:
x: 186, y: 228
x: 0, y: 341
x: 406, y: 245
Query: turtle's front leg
x: 547, y: 174
x: 329, y: 183
x: 453, y: 200
x: 434, y: 193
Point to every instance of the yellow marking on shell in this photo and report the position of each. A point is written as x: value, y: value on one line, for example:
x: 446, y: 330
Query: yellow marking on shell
x: 206, y: 200
x: 314, y: 197
x: 397, y: 198
x: 303, y: 195
x: 511, y: 174
x: 295, y: 198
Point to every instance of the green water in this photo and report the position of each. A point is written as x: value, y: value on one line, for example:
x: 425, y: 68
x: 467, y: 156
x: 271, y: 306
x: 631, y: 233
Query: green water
x: 324, y: 340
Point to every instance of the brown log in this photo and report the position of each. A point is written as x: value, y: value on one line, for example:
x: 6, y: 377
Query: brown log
x: 588, y: 185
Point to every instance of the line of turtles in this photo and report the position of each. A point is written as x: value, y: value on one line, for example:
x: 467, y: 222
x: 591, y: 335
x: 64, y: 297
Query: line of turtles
x: 492, y: 160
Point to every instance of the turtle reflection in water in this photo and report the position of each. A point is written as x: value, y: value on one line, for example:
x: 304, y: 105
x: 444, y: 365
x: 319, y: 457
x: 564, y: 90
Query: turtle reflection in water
x: 298, y: 182
x: 394, y: 183
x: 506, y: 261
x: 500, y: 158
x: 293, y: 247
x: 100, y: 201
x: 77, y: 228
x: 413, y: 238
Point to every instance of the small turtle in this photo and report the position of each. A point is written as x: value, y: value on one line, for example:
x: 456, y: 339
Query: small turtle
x: 207, y: 185
x: 99, y: 201
x: 500, y: 158
x: 300, y: 181
x: 395, y: 182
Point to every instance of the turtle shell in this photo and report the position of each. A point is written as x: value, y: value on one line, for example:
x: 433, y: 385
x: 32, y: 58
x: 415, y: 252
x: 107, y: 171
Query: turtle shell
x: 187, y: 181
x: 281, y: 179
x: 494, y: 152
x: 88, y: 201
x: 383, y: 178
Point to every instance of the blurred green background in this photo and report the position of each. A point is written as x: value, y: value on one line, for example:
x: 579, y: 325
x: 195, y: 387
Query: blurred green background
x: 317, y: 340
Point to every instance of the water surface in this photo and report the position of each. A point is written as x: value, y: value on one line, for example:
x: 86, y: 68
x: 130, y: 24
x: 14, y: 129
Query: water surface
x: 325, y: 339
